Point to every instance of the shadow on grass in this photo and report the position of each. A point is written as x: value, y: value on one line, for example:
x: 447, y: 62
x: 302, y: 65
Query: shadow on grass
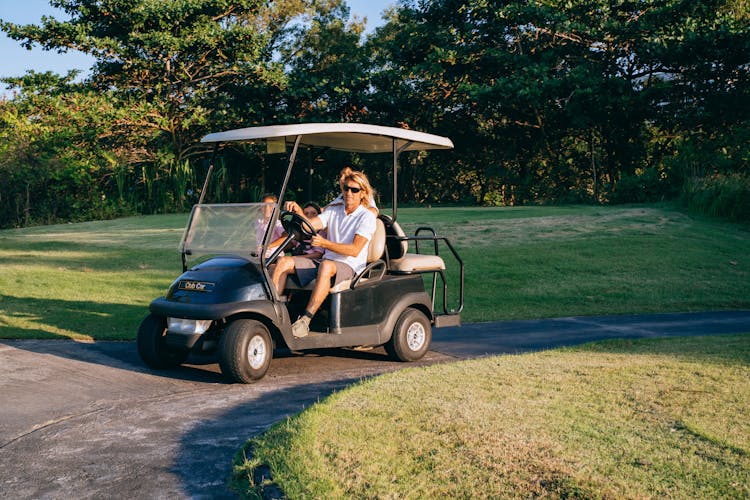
x: 733, y: 349
x: 69, y: 318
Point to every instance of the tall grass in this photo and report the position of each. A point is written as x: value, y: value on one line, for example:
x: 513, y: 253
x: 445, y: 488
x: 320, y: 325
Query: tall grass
x: 722, y: 195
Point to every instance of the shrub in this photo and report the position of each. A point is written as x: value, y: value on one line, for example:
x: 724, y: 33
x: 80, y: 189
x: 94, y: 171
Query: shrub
x: 719, y: 195
x: 644, y: 186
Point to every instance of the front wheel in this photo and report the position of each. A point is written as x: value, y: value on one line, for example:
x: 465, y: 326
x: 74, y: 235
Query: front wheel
x: 152, y: 345
x: 245, y: 351
x: 411, y: 336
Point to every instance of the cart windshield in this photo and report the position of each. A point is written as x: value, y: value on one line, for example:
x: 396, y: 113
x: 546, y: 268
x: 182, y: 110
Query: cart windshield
x: 236, y: 228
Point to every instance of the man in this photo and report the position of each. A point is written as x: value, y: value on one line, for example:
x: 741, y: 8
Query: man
x: 349, y: 227
x: 339, y: 200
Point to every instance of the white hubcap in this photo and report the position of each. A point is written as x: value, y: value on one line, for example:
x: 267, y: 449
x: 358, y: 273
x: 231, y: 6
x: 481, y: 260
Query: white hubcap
x: 415, y: 336
x: 256, y: 352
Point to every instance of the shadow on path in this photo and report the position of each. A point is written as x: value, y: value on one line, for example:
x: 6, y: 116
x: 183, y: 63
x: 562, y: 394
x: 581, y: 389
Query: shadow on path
x: 203, y: 463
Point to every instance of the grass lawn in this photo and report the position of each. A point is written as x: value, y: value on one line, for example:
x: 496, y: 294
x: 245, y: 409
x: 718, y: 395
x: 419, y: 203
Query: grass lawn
x: 91, y: 280
x: 95, y: 280
x: 619, y: 419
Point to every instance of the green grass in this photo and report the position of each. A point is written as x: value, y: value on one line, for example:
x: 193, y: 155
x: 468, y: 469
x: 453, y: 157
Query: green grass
x: 95, y: 280
x: 541, y: 262
x: 619, y: 419
x: 90, y: 280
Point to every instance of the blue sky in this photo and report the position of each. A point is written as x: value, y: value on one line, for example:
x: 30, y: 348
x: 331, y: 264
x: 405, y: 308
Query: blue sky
x: 15, y: 60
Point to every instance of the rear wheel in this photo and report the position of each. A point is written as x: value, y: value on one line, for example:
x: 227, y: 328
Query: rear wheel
x: 245, y: 350
x: 411, y: 336
x: 152, y: 345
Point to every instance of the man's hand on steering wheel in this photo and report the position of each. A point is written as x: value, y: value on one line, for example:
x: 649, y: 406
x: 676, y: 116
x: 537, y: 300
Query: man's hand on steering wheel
x: 297, y: 225
x: 293, y: 206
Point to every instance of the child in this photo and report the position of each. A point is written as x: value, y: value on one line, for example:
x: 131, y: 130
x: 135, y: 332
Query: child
x: 261, y: 224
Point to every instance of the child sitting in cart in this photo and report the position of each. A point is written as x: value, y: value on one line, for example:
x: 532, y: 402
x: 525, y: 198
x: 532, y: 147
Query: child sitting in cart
x: 305, y: 249
x: 262, y: 224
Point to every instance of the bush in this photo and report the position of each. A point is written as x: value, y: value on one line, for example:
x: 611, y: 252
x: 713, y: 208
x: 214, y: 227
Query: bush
x: 719, y: 195
x: 645, y: 186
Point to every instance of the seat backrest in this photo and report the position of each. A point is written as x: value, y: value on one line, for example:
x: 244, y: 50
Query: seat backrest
x: 377, y: 245
x: 396, y: 247
x: 403, y: 246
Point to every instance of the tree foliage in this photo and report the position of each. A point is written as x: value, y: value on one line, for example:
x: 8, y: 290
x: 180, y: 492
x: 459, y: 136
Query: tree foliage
x: 561, y: 99
x: 546, y: 100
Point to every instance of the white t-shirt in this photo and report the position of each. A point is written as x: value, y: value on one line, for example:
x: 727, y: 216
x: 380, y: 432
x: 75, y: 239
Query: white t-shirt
x: 342, y: 228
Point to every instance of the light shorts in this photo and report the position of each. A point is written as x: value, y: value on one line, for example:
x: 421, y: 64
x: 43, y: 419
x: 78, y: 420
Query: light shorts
x: 307, y: 270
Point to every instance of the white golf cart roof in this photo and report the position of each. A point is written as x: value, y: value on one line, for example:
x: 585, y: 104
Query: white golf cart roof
x: 352, y: 137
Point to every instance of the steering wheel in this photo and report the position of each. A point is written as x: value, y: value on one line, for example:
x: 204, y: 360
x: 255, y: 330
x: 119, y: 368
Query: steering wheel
x: 297, y: 228
x: 295, y: 224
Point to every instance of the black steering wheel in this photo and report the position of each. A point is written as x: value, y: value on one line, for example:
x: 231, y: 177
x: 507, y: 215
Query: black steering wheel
x: 297, y: 228
x: 297, y: 225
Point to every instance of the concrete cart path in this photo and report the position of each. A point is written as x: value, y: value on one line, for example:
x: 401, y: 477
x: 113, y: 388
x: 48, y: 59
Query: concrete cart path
x: 88, y: 420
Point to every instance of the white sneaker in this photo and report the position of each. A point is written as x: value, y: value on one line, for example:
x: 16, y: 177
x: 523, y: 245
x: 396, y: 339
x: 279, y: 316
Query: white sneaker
x: 301, y: 328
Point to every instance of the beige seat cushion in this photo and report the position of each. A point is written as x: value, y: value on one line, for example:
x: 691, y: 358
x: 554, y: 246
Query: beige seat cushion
x: 413, y: 262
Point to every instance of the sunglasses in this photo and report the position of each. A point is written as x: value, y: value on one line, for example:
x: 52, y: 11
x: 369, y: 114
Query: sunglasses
x: 354, y: 190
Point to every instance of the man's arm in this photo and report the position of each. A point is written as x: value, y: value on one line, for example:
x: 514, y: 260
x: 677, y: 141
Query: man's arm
x: 349, y: 249
x: 292, y: 206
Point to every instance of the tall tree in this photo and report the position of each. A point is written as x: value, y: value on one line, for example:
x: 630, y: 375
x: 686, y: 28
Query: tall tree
x: 327, y: 67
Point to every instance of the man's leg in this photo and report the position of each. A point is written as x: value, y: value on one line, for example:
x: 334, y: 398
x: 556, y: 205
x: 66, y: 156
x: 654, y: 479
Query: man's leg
x: 326, y: 271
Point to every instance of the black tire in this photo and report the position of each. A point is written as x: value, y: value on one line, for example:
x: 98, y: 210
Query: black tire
x: 411, y: 336
x: 152, y: 346
x: 245, y: 351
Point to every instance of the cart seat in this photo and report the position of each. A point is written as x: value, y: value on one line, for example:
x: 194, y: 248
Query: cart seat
x: 374, y: 254
x: 400, y: 261
x: 417, y: 263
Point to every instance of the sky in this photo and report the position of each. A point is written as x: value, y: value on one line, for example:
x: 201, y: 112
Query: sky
x: 15, y: 60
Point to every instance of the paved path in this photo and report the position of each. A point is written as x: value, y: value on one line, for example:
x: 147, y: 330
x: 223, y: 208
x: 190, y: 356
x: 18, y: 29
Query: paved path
x: 87, y: 420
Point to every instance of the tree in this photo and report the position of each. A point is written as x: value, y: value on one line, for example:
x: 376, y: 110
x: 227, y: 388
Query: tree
x: 327, y: 68
x: 169, y: 62
x: 168, y: 73
x: 51, y: 165
x: 553, y: 99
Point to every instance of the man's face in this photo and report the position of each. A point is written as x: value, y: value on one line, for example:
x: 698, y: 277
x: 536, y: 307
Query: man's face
x: 352, y: 193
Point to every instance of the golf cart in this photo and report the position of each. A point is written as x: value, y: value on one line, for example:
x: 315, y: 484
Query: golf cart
x: 225, y: 302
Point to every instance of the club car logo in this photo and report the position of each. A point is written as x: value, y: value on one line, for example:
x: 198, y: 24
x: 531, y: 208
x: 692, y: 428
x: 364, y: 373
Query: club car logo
x: 196, y: 286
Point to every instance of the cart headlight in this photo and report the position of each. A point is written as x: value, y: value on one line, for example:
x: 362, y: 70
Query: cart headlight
x: 191, y: 326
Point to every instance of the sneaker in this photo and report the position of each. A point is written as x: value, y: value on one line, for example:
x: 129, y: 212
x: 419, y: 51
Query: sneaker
x: 301, y: 328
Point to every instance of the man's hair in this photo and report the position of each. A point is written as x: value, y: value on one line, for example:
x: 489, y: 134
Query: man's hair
x: 347, y: 174
x: 269, y: 196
